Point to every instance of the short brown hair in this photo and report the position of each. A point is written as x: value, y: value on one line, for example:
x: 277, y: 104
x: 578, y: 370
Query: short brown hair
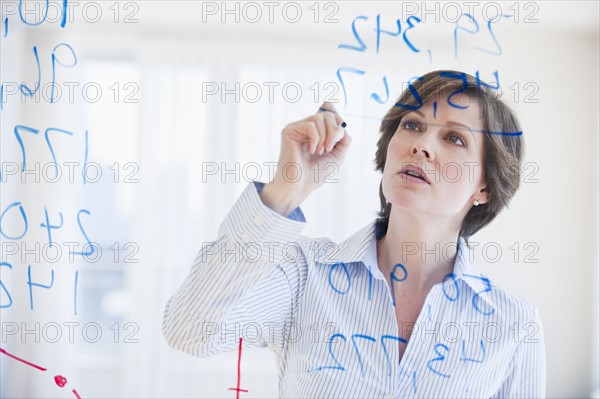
x: 503, y: 142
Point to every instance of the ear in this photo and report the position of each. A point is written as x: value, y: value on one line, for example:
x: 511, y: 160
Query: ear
x: 483, y: 195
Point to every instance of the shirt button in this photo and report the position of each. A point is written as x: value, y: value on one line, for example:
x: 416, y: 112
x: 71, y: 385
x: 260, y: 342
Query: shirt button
x: 245, y: 237
x: 259, y: 220
x: 389, y: 396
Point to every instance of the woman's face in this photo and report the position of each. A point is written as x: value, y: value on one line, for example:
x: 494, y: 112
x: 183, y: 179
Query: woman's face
x: 447, y: 144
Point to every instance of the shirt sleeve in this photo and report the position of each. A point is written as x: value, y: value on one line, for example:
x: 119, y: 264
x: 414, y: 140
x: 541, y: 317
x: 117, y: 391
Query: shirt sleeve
x: 527, y: 372
x: 239, y: 285
x: 296, y: 215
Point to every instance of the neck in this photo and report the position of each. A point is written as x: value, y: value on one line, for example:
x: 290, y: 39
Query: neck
x: 425, y: 245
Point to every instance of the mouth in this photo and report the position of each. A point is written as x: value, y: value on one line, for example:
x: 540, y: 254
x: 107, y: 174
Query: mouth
x: 414, y: 173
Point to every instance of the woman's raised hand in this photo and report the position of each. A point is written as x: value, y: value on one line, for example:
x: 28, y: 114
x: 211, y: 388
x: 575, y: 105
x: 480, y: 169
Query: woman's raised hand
x: 308, y: 146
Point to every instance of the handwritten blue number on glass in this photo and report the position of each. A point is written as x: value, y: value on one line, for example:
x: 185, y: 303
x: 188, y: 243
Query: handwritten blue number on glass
x: 32, y: 23
x: 376, y: 97
x: 453, y: 277
x: 55, y: 60
x: 410, y: 26
x: 52, y: 129
x: 32, y: 284
x: 439, y: 358
x: 91, y: 250
x: 379, y: 31
x: 482, y: 83
x: 360, y: 362
x: 10, y: 301
x: 457, y: 27
x: 387, y: 354
x: 339, y: 366
x: 362, y: 46
x: 345, y: 269
x: 63, y: 22
x: 20, y: 140
x: 394, y: 278
x: 24, y: 88
x: 23, y: 215
x: 49, y: 226
x: 488, y: 288
x: 489, y: 26
x: 463, y: 78
x: 416, y: 96
x: 339, y: 76
x: 464, y: 357
x: 85, y: 157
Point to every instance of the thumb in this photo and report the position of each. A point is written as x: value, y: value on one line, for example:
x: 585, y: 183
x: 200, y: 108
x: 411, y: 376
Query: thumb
x: 342, y: 145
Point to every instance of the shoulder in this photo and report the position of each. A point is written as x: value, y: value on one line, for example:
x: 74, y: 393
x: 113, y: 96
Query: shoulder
x: 313, y: 249
x: 354, y: 248
x: 508, y: 307
x: 512, y: 308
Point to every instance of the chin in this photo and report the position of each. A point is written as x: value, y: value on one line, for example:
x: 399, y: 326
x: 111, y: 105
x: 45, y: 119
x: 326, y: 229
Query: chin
x: 405, y: 200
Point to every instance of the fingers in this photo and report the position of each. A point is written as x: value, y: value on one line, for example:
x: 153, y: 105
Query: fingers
x: 330, y: 108
x: 313, y: 136
x: 343, y: 144
x: 319, y: 121
x: 335, y: 132
x: 334, y: 125
x: 322, y: 130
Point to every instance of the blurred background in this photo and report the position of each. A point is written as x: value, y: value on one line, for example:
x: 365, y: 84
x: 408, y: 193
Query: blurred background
x: 173, y: 107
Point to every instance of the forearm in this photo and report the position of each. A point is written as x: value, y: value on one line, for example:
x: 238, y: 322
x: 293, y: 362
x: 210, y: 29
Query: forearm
x: 224, y: 271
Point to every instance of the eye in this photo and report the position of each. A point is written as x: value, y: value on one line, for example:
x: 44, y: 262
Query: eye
x: 456, y: 139
x: 410, y: 125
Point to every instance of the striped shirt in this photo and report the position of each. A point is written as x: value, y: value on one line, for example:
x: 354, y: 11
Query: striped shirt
x: 327, y: 312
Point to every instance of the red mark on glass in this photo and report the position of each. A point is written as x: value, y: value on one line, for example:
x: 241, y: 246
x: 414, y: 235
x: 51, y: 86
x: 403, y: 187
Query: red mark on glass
x: 22, y: 360
x: 238, y: 390
x: 60, y: 380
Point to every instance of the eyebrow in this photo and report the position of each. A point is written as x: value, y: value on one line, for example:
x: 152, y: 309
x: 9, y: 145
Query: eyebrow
x: 450, y: 123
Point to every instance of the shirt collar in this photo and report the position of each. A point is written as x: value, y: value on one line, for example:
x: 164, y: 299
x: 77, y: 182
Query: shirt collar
x: 362, y: 247
x: 466, y: 270
x: 353, y: 248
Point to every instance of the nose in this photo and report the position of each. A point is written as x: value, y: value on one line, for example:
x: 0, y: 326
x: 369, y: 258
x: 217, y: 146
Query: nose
x: 422, y: 146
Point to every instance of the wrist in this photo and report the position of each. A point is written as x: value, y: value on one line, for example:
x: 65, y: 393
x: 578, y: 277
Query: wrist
x: 278, y: 199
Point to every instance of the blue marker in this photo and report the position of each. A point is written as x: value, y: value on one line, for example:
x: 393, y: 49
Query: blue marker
x: 321, y: 109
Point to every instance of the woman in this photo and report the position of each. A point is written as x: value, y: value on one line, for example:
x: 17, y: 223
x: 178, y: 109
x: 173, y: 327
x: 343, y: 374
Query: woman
x: 398, y: 309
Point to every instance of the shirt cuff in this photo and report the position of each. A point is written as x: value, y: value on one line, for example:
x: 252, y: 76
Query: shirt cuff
x: 251, y: 222
x: 296, y: 215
